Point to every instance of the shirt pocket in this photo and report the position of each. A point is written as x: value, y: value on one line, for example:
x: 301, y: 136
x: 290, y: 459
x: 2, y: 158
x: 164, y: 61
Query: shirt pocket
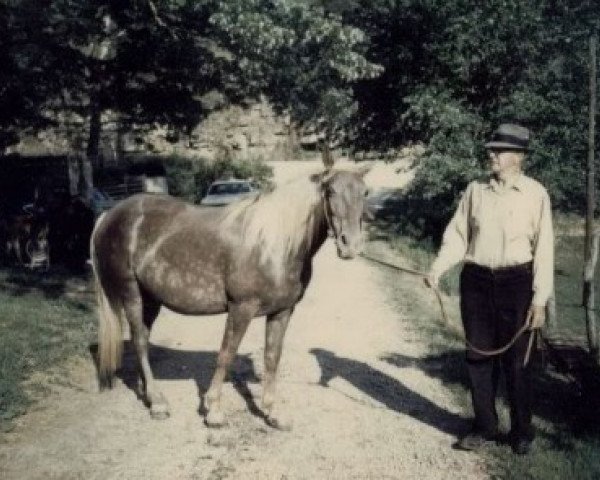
x: 518, y: 224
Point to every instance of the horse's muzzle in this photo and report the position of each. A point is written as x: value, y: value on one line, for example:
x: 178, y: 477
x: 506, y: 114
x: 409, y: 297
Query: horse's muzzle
x: 348, y: 250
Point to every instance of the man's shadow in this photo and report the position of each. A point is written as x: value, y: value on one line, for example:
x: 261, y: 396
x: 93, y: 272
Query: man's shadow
x: 557, y: 399
x: 449, y: 367
x: 199, y: 366
x: 388, y: 391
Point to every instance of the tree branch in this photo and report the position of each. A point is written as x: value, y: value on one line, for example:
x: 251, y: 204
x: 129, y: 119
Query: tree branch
x: 159, y: 20
x: 155, y: 14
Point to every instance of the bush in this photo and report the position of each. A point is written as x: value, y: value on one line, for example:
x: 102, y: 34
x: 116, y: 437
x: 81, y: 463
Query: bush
x: 451, y: 160
x: 455, y: 154
x: 558, y: 149
x: 189, y: 179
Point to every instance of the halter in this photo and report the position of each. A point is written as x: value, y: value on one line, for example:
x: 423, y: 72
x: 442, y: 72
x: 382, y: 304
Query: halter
x: 330, y: 229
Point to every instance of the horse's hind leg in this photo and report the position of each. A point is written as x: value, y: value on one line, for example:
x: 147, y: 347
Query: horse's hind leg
x: 238, y: 318
x: 276, y: 327
x: 141, y: 313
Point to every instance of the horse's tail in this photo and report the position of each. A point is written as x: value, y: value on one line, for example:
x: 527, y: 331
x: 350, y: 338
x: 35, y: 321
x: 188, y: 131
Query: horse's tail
x: 110, y: 332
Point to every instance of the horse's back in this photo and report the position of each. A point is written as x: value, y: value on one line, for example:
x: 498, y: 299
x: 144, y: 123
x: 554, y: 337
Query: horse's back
x: 130, y: 227
x: 156, y: 212
x: 144, y: 204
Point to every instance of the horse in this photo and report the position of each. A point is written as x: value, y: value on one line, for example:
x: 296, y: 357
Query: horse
x: 252, y: 258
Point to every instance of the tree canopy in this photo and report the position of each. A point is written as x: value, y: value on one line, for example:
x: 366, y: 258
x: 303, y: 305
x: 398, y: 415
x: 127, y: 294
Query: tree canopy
x: 376, y: 73
x: 155, y: 62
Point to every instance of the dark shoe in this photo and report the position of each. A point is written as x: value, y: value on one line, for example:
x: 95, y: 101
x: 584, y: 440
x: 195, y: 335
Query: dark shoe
x: 475, y: 441
x: 521, y: 446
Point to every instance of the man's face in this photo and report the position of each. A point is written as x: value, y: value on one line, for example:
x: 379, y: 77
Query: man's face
x: 503, y: 161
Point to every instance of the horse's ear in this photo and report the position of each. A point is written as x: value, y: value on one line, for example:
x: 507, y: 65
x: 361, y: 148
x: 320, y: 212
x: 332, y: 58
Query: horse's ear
x: 316, y: 177
x: 327, y: 156
x: 322, y: 178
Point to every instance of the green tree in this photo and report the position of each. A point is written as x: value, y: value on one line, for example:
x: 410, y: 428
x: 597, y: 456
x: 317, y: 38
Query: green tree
x: 455, y: 69
x: 303, y: 57
x: 155, y: 61
x: 26, y: 74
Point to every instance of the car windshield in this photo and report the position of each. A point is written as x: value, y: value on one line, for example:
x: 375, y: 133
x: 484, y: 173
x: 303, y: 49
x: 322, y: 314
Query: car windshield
x: 229, y: 188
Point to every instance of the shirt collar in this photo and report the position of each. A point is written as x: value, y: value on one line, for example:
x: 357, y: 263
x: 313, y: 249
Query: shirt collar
x: 513, y: 183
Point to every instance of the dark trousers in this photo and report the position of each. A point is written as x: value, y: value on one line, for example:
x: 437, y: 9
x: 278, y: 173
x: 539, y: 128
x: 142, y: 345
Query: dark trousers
x: 494, y: 306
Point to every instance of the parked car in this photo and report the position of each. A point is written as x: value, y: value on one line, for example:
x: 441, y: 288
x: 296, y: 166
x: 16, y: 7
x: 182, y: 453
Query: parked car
x: 382, y: 200
x: 224, y: 192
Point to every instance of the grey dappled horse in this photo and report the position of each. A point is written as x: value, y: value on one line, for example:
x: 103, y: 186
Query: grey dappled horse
x: 249, y: 259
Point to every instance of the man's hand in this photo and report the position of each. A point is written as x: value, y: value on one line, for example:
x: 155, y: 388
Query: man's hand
x: 431, y: 280
x: 536, y: 317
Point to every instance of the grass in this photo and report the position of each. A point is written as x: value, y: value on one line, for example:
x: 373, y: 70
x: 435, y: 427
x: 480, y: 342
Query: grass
x: 566, y: 414
x: 42, y: 324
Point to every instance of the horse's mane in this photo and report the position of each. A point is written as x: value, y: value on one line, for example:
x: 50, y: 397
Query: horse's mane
x: 277, y: 222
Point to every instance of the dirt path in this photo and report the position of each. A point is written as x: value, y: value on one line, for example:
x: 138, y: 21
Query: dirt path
x: 355, y: 416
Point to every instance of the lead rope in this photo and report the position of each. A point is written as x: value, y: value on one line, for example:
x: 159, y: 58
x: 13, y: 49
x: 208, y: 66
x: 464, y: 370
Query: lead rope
x: 487, y: 353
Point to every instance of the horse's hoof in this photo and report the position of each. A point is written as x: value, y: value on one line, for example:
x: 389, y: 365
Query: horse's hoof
x: 280, y: 423
x: 214, y: 419
x: 159, y: 412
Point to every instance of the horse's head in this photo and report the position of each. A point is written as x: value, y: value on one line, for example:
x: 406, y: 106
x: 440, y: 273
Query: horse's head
x: 344, y: 195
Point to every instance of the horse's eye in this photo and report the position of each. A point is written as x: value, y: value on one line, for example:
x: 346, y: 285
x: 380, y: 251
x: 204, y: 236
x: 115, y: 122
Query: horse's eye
x: 367, y: 192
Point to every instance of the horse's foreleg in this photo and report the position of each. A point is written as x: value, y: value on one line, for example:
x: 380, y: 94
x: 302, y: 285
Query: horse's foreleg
x: 276, y: 327
x: 238, y: 318
x: 141, y: 315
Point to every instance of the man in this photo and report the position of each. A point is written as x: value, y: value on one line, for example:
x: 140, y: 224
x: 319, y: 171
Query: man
x: 502, y: 231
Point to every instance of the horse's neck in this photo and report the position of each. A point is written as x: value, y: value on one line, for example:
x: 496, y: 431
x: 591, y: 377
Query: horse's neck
x: 316, y: 236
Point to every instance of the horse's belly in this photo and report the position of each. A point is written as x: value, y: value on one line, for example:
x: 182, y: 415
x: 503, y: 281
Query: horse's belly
x: 281, y: 299
x: 186, y: 292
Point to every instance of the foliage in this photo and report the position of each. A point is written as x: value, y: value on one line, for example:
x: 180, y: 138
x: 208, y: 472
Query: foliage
x: 148, y: 64
x: 190, y: 178
x: 165, y: 61
x: 26, y: 74
x: 502, y: 61
x: 449, y: 163
x: 308, y: 59
x: 180, y: 177
x: 377, y: 73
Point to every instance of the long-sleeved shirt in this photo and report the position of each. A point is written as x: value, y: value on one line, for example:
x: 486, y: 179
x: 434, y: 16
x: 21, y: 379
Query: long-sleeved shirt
x: 500, y: 225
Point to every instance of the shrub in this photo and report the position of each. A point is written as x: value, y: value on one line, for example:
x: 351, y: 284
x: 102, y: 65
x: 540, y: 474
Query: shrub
x: 451, y: 160
x: 190, y: 178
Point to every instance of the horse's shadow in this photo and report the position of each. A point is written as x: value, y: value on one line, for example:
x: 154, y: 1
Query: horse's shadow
x: 388, y: 391
x: 199, y: 366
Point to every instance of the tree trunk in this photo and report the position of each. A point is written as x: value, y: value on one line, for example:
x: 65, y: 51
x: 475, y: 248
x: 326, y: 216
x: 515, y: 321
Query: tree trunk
x: 551, y: 322
x: 292, y: 147
x: 93, y: 148
x: 591, y: 240
x: 588, y: 293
